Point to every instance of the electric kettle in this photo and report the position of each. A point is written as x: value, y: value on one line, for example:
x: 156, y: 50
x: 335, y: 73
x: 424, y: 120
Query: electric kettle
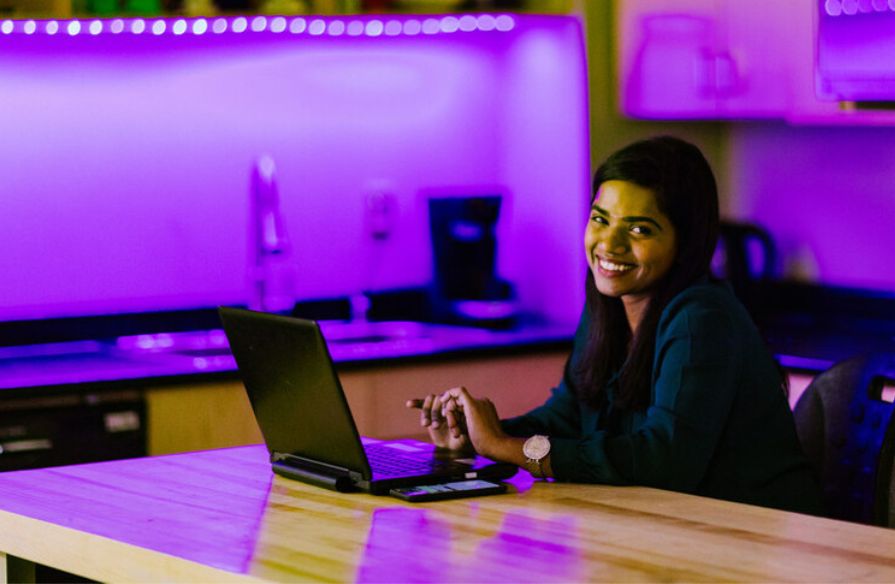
x: 745, y: 256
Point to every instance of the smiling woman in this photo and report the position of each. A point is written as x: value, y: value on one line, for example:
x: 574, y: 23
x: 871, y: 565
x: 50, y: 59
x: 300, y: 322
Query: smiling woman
x: 669, y: 384
x: 630, y: 245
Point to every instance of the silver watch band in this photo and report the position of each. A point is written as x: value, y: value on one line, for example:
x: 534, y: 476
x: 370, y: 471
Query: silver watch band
x: 540, y: 464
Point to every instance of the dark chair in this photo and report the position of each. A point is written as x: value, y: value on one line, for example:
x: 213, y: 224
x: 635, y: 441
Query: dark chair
x: 848, y: 433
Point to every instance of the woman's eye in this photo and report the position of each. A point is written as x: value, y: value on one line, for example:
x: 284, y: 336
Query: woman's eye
x: 599, y: 219
x: 641, y: 230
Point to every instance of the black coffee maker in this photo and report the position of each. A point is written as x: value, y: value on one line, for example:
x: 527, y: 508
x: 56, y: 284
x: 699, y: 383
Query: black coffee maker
x: 466, y: 288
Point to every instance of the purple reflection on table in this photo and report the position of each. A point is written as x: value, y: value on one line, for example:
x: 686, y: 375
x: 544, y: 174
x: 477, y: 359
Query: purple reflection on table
x: 535, y: 546
x: 396, y: 537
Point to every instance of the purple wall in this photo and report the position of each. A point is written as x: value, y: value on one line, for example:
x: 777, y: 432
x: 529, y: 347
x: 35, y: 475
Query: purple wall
x: 828, y: 196
x: 125, y: 161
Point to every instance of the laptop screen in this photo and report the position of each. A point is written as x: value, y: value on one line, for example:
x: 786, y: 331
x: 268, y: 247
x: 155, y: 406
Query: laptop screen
x: 293, y: 388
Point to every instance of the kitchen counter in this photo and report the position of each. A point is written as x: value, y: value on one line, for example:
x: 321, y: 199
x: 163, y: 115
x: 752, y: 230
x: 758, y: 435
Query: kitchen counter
x: 807, y: 327
x: 811, y: 327
x: 175, y: 357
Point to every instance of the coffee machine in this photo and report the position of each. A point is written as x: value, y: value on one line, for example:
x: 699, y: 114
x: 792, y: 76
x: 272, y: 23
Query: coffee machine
x: 466, y: 287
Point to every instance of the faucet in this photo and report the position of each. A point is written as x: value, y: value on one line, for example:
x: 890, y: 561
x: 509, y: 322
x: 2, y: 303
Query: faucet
x: 270, y: 273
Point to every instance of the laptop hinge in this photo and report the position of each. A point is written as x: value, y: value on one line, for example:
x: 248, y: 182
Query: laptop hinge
x: 313, y: 471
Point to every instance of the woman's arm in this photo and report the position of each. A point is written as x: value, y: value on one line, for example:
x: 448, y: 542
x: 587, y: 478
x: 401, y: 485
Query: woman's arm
x: 695, y: 373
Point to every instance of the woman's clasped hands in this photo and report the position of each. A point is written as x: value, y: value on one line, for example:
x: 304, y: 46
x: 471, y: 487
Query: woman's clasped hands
x: 458, y: 421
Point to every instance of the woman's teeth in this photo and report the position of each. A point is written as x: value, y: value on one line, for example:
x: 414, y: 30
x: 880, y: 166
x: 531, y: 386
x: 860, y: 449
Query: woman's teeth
x: 613, y: 267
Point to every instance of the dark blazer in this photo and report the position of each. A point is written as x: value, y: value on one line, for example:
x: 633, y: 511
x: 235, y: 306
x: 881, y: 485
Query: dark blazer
x: 718, y: 425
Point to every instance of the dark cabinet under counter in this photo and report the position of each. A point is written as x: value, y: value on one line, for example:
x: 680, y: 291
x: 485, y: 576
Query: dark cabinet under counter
x: 71, y: 428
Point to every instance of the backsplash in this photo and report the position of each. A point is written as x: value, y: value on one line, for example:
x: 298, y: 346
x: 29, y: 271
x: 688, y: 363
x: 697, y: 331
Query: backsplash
x: 126, y: 185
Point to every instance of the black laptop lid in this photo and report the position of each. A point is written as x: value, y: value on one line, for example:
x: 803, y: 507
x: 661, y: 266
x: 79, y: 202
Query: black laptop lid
x: 295, y: 393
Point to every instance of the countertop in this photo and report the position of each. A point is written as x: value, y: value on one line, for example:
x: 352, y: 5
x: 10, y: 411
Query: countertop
x: 174, y: 357
x: 807, y: 327
x: 811, y: 327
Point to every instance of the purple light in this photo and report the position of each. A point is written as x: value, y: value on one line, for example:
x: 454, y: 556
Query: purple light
x: 412, y: 27
x: 259, y: 24
x: 865, y: 6
x: 468, y: 23
x: 879, y: 5
x: 374, y: 28
x: 850, y: 7
x: 355, y: 28
x: 450, y: 24
x: 431, y: 26
x: 278, y: 25
x: 486, y: 22
x: 504, y: 23
x: 317, y: 27
x: 833, y: 7
x: 298, y: 26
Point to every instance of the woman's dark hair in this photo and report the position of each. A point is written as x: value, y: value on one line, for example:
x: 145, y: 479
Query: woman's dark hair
x: 686, y: 193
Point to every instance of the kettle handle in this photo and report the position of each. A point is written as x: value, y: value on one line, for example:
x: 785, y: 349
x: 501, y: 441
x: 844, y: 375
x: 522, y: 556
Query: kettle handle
x: 739, y: 240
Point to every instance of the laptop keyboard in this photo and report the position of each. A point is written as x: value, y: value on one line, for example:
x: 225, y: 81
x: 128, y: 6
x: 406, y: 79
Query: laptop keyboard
x: 388, y: 462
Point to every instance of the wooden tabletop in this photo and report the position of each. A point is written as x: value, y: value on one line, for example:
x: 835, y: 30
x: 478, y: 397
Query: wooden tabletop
x: 221, y: 516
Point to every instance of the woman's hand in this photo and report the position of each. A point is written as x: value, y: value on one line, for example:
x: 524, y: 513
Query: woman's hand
x: 482, y: 424
x: 444, y: 421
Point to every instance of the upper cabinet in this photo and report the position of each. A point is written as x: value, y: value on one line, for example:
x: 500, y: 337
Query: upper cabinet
x: 706, y: 59
x: 724, y: 59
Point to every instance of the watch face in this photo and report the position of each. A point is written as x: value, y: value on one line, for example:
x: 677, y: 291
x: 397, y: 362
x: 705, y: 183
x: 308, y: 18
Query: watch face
x: 536, y: 447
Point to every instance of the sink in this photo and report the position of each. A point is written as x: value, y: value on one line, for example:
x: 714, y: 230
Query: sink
x: 347, y: 341
x: 213, y: 343
x: 210, y: 343
x: 338, y: 332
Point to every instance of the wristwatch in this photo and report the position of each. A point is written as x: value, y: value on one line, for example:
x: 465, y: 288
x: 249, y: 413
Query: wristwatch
x: 536, y: 450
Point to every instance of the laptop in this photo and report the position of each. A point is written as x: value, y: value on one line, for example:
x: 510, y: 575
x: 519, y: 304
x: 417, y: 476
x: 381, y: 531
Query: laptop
x: 307, y: 425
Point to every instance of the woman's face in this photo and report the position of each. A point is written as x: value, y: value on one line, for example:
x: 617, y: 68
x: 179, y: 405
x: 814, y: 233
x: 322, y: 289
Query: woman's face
x: 630, y: 243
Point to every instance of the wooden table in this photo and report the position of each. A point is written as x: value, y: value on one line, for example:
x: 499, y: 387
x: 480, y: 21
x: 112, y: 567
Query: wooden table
x: 221, y: 516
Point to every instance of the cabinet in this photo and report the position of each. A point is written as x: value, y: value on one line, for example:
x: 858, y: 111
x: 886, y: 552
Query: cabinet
x: 726, y: 59
x: 707, y: 59
x: 73, y: 427
x: 717, y: 59
x: 217, y: 414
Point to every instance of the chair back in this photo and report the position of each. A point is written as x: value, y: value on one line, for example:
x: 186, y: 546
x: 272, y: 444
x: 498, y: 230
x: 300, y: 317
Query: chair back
x: 847, y: 430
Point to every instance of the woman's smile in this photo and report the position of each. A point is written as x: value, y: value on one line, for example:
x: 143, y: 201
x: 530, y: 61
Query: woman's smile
x: 630, y: 243
x: 613, y: 268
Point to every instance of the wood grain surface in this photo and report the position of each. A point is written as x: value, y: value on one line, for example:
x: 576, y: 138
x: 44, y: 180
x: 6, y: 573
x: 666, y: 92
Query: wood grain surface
x: 221, y: 516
